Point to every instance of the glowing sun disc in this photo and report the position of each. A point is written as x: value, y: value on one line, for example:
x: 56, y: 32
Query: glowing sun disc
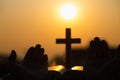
x: 68, y: 11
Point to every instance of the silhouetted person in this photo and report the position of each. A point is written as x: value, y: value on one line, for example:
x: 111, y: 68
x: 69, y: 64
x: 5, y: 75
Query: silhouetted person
x: 6, y: 66
x: 33, y: 67
x: 97, y: 56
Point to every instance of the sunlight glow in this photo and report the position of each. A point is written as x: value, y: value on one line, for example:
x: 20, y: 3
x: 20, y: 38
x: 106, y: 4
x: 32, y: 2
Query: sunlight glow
x: 68, y: 11
x: 58, y: 68
x: 80, y: 68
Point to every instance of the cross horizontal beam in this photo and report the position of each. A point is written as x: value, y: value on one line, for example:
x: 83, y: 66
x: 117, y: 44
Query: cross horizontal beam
x: 63, y: 41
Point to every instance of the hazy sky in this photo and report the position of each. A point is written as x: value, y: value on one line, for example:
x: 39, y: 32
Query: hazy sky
x: 24, y: 23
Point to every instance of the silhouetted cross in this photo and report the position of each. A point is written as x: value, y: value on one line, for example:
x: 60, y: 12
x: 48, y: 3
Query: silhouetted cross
x: 68, y: 41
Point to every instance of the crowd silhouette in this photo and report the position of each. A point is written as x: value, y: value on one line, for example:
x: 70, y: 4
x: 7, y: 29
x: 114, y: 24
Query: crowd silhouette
x: 102, y: 63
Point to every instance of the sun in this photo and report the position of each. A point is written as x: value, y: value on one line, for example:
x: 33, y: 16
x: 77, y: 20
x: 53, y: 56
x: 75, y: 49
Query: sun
x: 68, y: 11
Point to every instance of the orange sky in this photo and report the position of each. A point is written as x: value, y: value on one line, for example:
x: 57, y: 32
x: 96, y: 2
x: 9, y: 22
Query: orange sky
x: 24, y: 23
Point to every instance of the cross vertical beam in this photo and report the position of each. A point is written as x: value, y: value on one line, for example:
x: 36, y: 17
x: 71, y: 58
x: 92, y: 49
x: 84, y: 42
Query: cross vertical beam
x: 68, y: 41
x: 68, y: 49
